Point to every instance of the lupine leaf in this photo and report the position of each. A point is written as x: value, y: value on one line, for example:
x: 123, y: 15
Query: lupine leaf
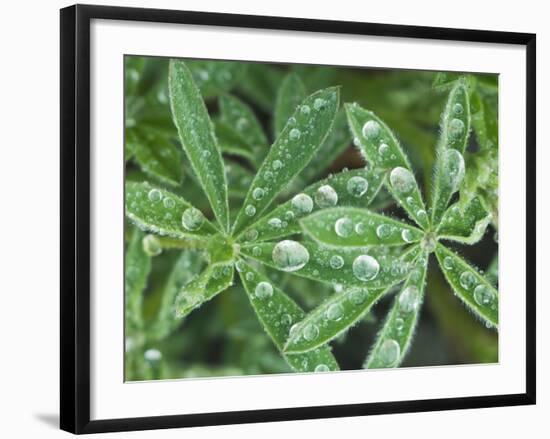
x: 260, y: 84
x: 380, y: 147
x: 492, y: 271
x: 484, y: 122
x: 212, y: 281
x: 283, y: 220
x: 216, y: 77
x: 149, y: 208
x: 445, y: 81
x: 469, y: 285
x: 232, y: 143
x: 157, y: 156
x: 137, y: 267
x: 290, y: 153
x: 466, y: 224
x: 375, y: 266
x: 449, y: 164
x: 184, y: 269
x: 240, y: 116
x: 290, y: 94
x: 396, y: 335
x: 355, y: 227
x: 334, y: 316
x: 197, y: 138
x: 277, y: 313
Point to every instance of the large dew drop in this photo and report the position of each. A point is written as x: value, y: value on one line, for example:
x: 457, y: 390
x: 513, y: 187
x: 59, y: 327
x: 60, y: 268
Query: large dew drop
x: 365, y: 267
x: 290, y: 255
x: 336, y: 262
x: 456, y: 128
x: 467, y: 280
x: 483, y: 295
x: 155, y: 195
x: 402, y: 180
x: 192, y: 219
x: 302, y: 203
x: 258, y: 193
x: 389, y: 353
x: 454, y: 168
x: 311, y: 332
x: 383, y: 231
x: 371, y: 130
x: 357, y: 186
x: 408, y: 299
x: 151, y: 245
x: 326, y: 196
x: 343, y: 227
x: 335, y: 312
x: 264, y: 290
x: 294, y: 134
x: 250, y: 210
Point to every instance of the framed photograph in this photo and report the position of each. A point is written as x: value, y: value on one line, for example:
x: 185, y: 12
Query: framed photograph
x: 269, y: 218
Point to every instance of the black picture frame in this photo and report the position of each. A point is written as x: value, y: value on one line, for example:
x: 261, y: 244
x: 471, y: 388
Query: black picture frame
x: 75, y: 217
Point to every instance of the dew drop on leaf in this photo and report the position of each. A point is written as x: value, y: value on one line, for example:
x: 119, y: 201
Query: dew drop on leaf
x: 319, y: 104
x: 365, y: 267
x: 357, y: 296
x: 389, y: 352
x: 263, y: 290
x: 152, y: 355
x: 240, y: 266
x: 402, y: 180
x: 448, y: 263
x: 169, y: 203
x: 335, y: 312
x: 286, y: 320
x: 399, y: 324
x: 467, y: 280
x: 302, y: 203
x: 454, y: 168
x: 326, y: 196
x: 383, y: 231
x: 154, y: 195
x: 357, y: 186
x: 249, y: 276
x: 250, y: 210
x: 371, y: 130
x: 343, y: 227
x: 290, y: 255
x: 257, y: 251
x: 383, y: 149
x: 277, y: 164
x: 275, y: 223
x: 304, y: 109
x: 408, y: 299
x: 321, y: 368
x: 294, y: 134
x: 192, y: 219
x: 457, y: 108
x: 258, y: 193
x: 483, y: 295
x: 336, y: 262
x: 456, y: 128
x: 360, y: 228
x: 251, y: 235
x: 151, y: 245
x: 407, y: 235
x: 311, y: 332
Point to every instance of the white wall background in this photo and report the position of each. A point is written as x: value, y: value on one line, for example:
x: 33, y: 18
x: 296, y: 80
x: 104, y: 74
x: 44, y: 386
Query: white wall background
x: 29, y: 217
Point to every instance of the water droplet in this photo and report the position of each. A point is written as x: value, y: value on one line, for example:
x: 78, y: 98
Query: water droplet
x: 336, y: 262
x: 268, y: 175
x: 335, y: 312
x: 371, y: 130
x: 326, y: 196
x: 263, y: 290
x: 294, y: 134
x: 168, y: 202
x: 151, y: 245
x: 286, y: 320
x: 155, y: 195
x: 365, y: 267
x: 356, y: 141
x: 192, y: 219
x: 399, y: 324
x: 389, y: 352
x: 258, y: 193
x: 483, y: 295
x: 402, y: 180
x: 304, y: 109
x: 467, y: 280
x: 454, y: 168
x: 421, y: 215
x: 302, y: 203
x: 357, y: 296
x: 456, y: 128
x: 249, y: 276
x: 152, y: 355
x: 311, y: 332
x: 250, y: 210
x: 407, y: 235
x: 458, y: 108
x: 383, y: 231
x: 293, y: 330
x: 357, y: 186
x: 240, y: 265
x: 410, y: 201
x: 275, y: 223
x: 257, y: 251
x: 343, y: 227
x: 321, y: 368
x: 448, y: 263
x: 251, y: 235
x: 360, y: 228
x: 290, y: 255
x: 408, y: 299
x: 277, y: 164
x: 318, y: 104
x: 384, y: 149
x: 289, y: 215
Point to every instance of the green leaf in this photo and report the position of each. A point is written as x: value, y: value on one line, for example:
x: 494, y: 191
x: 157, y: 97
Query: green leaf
x: 444, y: 81
x: 335, y: 144
x: 184, y: 269
x: 465, y: 224
x: 216, y: 77
x: 290, y: 94
x: 277, y: 313
x: 160, y: 211
x: 260, y: 84
x: 233, y: 144
x: 212, y: 281
x: 284, y: 220
x: 380, y: 147
x: 197, y: 138
x: 484, y: 122
x: 469, y: 285
x: 449, y: 164
x: 374, y: 267
x: 395, y: 338
x: 334, y: 316
x: 238, y: 179
x: 156, y: 155
x: 492, y: 271
x: 136, y: 271
x: 357, y: 227
x: 240, y: 116
x: 290, y: 153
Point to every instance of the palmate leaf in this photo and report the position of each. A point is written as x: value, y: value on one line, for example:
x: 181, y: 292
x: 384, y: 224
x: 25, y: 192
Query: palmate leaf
x: 465, y: 224
x: 136, y: 271
x: 156, y: 155
x: 216, y: 77
x: 197, y: 138
x: 160, y: 211
x: 380, y: 147
x: 291, y: 152
x: 278, y: 313
x: 351, y: 188
x: 290, y: 94
x: 238, y: 115
x: 370, y: 268
x: 357, y: 227
x: 449, y: 165
x: 475, y: 291
x: 396, y: 335
x: 212, y: 281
